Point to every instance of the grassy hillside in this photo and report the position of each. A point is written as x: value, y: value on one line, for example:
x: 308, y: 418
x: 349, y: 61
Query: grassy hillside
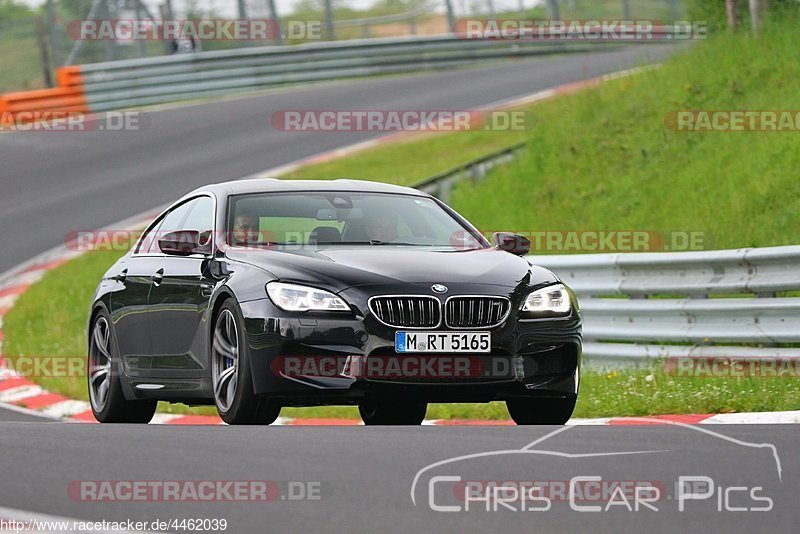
x: 604, y: 159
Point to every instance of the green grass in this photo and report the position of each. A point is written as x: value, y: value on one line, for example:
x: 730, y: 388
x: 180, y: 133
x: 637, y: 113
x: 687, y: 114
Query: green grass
x: 411, y: 160
x: 49, y: 320
x: 612, y: 164
x: 596, y: 160
x: 20, y: 58
x: 632, y: 392
x: 603, y: 159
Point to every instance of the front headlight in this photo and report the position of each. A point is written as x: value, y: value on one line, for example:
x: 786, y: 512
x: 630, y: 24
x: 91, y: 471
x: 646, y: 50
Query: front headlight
x: 296, y: 298
x: 550, y: 301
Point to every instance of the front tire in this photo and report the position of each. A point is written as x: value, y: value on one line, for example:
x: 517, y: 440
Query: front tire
x: 541, y: 411
x: 382, y: 412
x: 108, y: 402
x: 230, y: 371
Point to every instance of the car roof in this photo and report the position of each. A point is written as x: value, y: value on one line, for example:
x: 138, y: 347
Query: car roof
x: 269, y: 185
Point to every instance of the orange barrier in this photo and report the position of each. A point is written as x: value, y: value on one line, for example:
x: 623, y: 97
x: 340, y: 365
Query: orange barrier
x: 67, y: 97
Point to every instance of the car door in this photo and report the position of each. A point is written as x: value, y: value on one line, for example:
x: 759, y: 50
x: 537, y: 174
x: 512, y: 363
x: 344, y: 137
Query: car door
x: 129, y: 303
x: 180, y: 294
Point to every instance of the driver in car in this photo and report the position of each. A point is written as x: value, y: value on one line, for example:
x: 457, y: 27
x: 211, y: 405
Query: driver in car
x: 382, y: 227
x: 246, y: 229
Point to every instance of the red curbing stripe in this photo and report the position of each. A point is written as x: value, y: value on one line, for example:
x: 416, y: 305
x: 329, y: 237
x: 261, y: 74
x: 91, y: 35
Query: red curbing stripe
x: 46, y: 266
x: 577, y: 86
x: 14, y: 290
x: 4, y: 311
x: 320, y: 421
x: 196, y: 420
x: 40, y: 401
x: 689, y: 418
x: 84, y: 417
x: 467, y: 422
x: 16, y: 382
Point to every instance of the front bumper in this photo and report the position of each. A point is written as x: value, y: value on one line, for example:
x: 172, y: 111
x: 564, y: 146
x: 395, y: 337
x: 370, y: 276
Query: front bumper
x: 318, y: 359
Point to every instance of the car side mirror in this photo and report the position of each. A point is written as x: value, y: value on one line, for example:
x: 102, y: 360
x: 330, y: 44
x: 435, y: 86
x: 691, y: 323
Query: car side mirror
x: 181, y: 243
x: 513, y: 243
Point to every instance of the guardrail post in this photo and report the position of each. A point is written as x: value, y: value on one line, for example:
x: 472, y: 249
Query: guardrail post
x: 552, y: 6
x: 443, y: 193
x: 139, y: 43
x: 273, y: 14
x: 478, y: 171
x: 329, y: 20
x: 55, y: 36
x: 40, y: 37
x: 451, y: 18
x: 673, y: 10
x: 94, y: 13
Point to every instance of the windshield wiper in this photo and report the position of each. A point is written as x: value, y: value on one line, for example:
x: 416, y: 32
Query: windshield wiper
x: 400, y: 243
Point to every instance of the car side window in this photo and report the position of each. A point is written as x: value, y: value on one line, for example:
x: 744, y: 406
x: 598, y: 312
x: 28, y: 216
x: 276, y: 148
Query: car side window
x: 170, y: 222
x: 201, y: 218
x: 146, y: 242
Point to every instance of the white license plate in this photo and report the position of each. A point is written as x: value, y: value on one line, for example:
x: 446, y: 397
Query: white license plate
x: 442, y: 342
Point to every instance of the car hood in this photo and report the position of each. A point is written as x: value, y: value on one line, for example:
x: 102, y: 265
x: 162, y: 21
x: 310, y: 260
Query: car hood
x: 339, y: 267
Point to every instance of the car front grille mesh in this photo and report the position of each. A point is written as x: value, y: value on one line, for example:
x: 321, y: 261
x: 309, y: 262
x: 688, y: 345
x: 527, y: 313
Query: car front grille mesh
x: 476, y: 312
x: 407, y: 311
x: 420, y: 311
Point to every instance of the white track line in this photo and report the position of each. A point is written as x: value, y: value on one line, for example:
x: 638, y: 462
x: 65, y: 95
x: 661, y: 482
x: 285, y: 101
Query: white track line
x: 66, y: 408
x: 20, y: 393
x: 754, y: 418
x: 163, y: 418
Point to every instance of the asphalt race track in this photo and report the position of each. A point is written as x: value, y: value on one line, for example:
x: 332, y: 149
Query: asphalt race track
x: 57, y: 181
x: 363, y: 475
x: 354, y: 479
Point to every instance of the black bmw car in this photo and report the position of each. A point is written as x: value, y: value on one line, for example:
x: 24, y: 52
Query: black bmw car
x: 257, y: 294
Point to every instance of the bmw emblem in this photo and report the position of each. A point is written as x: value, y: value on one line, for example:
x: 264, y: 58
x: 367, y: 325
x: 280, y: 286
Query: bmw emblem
x: 439, y: 288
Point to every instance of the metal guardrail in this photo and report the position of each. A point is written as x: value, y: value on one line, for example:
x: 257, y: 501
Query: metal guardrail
x: 441, y: 184
x: 639, y: 307
x: 120, y: 84
x: 679, y: 319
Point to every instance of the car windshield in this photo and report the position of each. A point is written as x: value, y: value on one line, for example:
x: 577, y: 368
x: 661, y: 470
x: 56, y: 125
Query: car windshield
x: 344, y: 218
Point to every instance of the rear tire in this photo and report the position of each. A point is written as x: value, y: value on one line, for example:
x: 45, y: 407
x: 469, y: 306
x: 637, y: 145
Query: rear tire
x: 230, y: 371
x: 374, y: 412
x: 108, y: 402
x: 541, y: 411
